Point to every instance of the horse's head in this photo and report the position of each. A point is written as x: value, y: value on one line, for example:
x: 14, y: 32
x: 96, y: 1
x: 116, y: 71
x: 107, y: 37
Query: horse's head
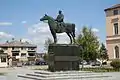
x: 44, y: 18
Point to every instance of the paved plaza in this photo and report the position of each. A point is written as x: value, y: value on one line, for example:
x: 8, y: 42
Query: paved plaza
x: 28, y: 73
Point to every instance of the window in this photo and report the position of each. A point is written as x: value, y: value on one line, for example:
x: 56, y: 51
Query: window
x: 23, y: 48
x: 114, y: 20
x: 23, y: 54
x: 14, y: 48
x: 15, y: 54
x: 115, y: 12
x: 3, y: 59
x: 31, y: 48
x: 116, y: 52
x: 116, y: 28
x: 31, y: 54
x: 5, y: 48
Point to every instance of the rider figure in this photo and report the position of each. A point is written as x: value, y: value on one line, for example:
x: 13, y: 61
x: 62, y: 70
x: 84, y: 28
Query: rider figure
x: 60, y: 18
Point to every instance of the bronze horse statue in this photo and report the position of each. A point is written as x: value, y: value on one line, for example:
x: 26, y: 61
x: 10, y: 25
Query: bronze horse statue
x: 56, y: 27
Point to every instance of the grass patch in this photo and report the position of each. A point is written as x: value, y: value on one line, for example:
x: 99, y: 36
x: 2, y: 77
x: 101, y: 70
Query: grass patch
x: 100, y: 69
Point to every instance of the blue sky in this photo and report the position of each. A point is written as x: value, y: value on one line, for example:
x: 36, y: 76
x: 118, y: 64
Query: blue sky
x: 20, y: 18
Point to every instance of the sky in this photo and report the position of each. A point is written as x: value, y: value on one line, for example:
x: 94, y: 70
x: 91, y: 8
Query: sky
x: 20, y: 19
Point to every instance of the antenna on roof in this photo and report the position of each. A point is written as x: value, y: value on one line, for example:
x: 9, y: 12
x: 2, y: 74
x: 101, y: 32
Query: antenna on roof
x: 20, y: 40
x: 7, y: 41
x: 13, y: 39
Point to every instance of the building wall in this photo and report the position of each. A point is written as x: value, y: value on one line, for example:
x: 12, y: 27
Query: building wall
x: 22, y: 58
x: 8, y: 51
x: 111, y: 47
x: 3, y: 64
x: 17, y: 47
x: 110, y: 22
x: 112, y: 40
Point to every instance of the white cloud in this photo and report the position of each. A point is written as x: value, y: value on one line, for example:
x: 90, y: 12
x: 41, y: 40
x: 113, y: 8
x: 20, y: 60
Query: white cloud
x: 95, y: 30
x: 5, y: 35
x: 23, y: 22
x: 40, y: 32
x: 5, y: 23
x: 38, y: 28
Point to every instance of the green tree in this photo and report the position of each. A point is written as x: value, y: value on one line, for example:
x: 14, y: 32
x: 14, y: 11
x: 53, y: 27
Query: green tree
x: 90, y: 44
x: 47, y: 42
x: 45, y: 57
x: 103, y: 53
x: 46, y: 45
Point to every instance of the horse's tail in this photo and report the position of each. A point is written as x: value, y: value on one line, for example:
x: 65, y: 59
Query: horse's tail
x: 73, y: 29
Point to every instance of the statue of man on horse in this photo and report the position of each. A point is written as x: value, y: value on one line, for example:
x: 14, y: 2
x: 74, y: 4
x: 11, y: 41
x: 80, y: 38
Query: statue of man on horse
x: 58, y: 26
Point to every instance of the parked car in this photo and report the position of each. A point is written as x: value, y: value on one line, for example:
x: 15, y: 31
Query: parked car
x: 83, y: 62
x: 104, y: 63
x: 40, y: 62
x: 95, y: 63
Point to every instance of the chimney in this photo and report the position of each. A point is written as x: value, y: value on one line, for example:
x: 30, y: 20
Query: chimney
x: 20, y: 40
x: 7, y: 41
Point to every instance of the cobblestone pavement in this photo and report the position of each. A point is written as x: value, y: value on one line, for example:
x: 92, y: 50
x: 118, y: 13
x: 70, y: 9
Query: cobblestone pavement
x: 12, y: 74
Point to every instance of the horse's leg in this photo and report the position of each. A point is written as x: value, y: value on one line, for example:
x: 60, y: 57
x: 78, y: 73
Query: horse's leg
x: 73, y: 32
x: 69, y: 37
x: 73, y: 37
x: 54, y: 36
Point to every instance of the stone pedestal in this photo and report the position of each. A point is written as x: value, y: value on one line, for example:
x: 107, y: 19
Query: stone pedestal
x: 63, y: 57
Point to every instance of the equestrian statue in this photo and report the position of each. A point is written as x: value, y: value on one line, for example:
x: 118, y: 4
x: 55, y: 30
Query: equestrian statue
x: 58, y: 26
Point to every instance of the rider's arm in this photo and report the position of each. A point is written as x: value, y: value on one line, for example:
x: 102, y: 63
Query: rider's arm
x: 61, y: 17
x: 56, y: 19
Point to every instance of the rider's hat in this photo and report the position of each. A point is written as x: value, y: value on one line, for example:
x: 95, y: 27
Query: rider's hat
x: 60, y: 11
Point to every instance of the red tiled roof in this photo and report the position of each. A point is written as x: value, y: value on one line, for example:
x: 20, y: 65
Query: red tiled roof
x: 113, y: 7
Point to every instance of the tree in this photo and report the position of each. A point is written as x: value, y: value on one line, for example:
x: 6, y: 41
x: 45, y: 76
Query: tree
x: 47, y: 42
x: 103, y: 52
x: 45, y: 57
x: 90, y: 44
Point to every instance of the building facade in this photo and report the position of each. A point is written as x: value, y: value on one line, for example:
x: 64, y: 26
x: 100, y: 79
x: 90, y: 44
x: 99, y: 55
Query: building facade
x: 113, y: 31
x: 3, y: 59
x: 19, y: 51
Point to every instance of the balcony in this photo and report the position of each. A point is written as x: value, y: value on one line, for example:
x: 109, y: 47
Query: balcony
x: 31, y: 51
x: 15, y: 50
x: 31, y: 54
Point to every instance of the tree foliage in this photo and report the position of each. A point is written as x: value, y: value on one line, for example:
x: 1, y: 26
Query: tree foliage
x: 45, y: 57
x: 115, y: 64
x: 47, y: 42
x: 103, y: 52
x: 90, y: 44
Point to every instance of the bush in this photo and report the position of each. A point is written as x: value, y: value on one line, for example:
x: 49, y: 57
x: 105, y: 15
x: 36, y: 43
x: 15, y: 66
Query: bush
x: 115, y: 64
x: 45, y: 57
x: 99, y: 69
